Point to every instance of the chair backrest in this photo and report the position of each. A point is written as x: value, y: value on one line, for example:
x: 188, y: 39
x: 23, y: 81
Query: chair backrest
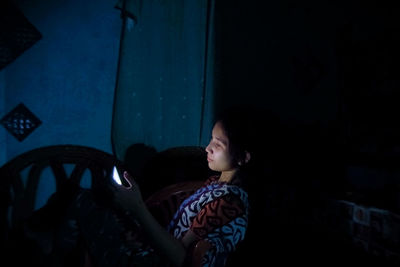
x: 164, y: 203
x: 20, y: 177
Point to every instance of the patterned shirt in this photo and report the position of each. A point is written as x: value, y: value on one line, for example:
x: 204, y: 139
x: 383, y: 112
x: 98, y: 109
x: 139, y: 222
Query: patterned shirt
x: 217, y: 212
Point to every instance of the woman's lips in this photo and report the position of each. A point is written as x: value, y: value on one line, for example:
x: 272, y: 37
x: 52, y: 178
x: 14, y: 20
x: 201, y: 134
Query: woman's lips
x: 209, y: 160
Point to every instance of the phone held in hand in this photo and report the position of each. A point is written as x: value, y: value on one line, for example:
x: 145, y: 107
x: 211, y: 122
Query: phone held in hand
x: 119, y: 179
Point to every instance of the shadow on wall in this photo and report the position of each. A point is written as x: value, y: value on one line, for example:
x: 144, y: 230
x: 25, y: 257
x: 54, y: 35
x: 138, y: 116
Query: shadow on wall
x: 136, y: 157
x: 154, y: 170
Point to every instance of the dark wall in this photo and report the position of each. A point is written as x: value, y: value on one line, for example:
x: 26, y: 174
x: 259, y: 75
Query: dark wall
x: 328, y: 69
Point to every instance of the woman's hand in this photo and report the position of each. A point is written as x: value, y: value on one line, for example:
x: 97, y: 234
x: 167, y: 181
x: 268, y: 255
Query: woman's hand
x: 128, y: 199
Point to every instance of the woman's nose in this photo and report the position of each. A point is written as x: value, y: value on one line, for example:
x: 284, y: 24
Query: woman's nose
x: 208, y: 150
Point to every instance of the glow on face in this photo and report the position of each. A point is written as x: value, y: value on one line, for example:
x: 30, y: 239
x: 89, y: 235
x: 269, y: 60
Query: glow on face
x: 218, y: 156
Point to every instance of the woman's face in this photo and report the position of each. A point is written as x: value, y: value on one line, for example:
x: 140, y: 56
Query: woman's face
x: 218, y: 156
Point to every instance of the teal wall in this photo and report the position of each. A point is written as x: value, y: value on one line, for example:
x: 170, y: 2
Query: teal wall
x: 67, y: 78
x: 3, y: 144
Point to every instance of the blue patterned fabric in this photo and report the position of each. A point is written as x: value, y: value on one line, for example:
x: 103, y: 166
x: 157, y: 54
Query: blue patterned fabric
x: 224, y: 238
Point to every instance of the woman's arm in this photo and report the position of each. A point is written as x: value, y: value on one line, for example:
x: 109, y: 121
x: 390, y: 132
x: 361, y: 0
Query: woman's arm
x: 159, y: 238
x: 130, y: 200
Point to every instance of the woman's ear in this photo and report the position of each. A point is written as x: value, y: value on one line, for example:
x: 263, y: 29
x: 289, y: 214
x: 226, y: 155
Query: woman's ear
x: 247, y: 157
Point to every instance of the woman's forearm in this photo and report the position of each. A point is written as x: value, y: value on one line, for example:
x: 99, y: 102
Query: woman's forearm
x: 159, y: 237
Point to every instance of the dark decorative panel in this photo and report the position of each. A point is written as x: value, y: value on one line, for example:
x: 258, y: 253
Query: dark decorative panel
x: 20, y: 122
x: 17, y: 34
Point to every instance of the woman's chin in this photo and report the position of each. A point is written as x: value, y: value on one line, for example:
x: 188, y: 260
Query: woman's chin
x: 210, y: 165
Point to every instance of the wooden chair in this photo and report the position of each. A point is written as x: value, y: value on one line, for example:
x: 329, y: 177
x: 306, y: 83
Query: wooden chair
x: 164, y: 203
x: 19, y: 192
x: 21, y: 176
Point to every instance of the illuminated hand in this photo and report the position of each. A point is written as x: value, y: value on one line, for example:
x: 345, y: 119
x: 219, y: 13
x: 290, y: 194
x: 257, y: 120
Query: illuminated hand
x: 128, y: 199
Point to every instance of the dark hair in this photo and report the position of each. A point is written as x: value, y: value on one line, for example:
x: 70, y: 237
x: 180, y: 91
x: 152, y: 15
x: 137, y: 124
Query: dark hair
x: 251, y: 130
x: 237, y: 128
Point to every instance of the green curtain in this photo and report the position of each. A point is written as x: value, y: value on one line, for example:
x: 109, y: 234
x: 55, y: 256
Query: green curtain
x: 164, y: 92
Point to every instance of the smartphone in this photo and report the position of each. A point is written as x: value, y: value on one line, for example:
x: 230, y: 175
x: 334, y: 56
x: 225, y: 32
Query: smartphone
x: 120, y: 179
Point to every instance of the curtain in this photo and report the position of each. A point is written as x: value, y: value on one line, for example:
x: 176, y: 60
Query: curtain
x: 164, y: 91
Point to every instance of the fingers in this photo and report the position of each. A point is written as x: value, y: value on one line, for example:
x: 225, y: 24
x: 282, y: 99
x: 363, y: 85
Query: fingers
x: 127, y: 175
x: 129, y: 179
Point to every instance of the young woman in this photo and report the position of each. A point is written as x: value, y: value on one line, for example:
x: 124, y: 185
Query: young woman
x: 217, y: 212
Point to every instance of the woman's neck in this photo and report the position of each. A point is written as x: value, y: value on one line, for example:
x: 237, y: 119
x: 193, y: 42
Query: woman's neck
x: 227, y: 176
